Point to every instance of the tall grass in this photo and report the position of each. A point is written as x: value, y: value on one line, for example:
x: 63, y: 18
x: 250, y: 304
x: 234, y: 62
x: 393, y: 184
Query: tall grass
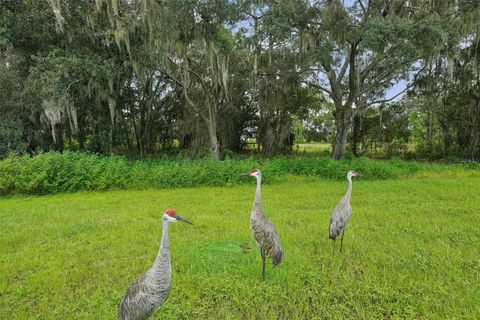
x: 53, y: 172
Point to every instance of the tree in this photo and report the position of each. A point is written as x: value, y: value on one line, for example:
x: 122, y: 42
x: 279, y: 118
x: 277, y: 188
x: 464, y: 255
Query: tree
x: 201, y: 68
x: 276, y: 92
x: 359, y: 50
x: 144, y: 77
x: 448, y: 87
x: 186, y: 42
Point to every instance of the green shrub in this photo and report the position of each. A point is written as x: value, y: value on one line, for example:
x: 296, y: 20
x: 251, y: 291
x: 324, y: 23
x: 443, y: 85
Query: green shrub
x: 72, y: 171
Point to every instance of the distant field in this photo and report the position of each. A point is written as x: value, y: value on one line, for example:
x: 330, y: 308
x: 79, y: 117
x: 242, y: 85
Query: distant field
x: 411, y: 252
x: 315, y: 148
x: 301, y: 148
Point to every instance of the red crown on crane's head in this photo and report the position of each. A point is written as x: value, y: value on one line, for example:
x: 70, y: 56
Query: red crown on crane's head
x: 171, y: 212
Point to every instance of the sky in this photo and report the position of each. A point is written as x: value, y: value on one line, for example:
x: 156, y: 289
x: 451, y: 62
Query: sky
x: 397, y: 88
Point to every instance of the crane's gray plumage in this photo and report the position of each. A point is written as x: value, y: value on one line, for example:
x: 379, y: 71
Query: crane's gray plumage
x: 263, y: 230
x: 151, y: 290
x: 342, y: 213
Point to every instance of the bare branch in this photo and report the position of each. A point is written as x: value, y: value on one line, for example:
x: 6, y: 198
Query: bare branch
x: 254, y: 16
x: 317, y: 86
x: 385, y: 75
x: 412, y: 84
x: 68, y: 87
x: 363, y: 7
x: 392, y: 98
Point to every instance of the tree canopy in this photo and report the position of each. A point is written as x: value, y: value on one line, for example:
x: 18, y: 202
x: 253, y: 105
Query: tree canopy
x: 145, y: 77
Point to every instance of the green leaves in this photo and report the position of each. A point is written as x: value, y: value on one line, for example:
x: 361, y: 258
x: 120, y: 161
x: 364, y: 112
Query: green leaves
x: 50, y: 173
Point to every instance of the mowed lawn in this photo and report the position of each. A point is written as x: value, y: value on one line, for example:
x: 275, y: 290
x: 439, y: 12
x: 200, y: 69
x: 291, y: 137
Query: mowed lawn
x: 411, y: 251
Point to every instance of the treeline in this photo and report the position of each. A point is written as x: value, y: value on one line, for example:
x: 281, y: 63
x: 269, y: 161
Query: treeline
x: 145, y: 77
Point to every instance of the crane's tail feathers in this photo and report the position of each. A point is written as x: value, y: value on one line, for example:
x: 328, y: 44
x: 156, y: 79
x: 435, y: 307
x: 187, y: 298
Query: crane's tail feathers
x: 333, y: 232
x: 277, y: 258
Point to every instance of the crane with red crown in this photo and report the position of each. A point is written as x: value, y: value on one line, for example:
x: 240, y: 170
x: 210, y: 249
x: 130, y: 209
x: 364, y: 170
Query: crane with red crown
x: 263, y: 230
x: 151, y: 290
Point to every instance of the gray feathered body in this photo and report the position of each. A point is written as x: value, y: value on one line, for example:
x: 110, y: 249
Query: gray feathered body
x: 263, y: 230
x: 341, y: 214
x: 151, y: 290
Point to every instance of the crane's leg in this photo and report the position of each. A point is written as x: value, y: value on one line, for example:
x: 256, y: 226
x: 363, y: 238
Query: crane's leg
x: 341, y: 241
x: 263, y: 263
x: 333, y: 246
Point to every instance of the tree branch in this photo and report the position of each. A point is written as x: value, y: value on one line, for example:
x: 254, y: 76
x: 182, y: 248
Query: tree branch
x: 68, y: 87
x: 344, y: 68
x: 363, y: 7
x: 390, y: 99
x: 412, y: 84
x: 253, y: 16
x: 336, y: 92
x: 385, y: 75
x: 317, y: 86
x: 352, y: 77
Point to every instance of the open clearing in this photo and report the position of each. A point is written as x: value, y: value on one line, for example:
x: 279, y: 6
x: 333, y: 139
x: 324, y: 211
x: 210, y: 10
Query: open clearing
x: 411, y: 251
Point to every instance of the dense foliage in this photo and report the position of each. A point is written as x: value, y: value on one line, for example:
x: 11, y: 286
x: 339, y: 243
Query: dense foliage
x: 147, y: 77
x: 73, y: 171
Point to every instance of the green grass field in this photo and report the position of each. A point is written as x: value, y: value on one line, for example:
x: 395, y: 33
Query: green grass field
x: 411, y: 251
x: 312, y: 148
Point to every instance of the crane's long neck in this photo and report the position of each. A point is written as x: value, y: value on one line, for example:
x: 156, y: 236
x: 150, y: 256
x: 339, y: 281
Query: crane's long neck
x: 257, y: 203
x: 162, y: 262
x: 349, y: 190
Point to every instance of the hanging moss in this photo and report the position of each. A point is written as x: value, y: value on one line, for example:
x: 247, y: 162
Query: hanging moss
x: 53, y: 109
x: 57, y: 11
x: 115, y: 7
x: 112, y: 105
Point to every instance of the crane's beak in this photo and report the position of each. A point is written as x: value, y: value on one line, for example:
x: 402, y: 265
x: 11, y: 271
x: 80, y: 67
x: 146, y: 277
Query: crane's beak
x: 179, y: 218
x: 245, y: 174
x: 360, y: 175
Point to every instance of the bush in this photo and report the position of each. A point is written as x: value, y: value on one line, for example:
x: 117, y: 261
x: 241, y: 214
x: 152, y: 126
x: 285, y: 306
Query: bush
x: 72, y: 171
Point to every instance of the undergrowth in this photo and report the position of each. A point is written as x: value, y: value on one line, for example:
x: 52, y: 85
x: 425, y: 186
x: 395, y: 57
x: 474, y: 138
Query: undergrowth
x: 72, y: 171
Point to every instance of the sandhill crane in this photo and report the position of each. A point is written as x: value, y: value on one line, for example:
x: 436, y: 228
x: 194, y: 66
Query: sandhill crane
x: 342, y: 212
x: 263, y: 229
x: 151, y: 290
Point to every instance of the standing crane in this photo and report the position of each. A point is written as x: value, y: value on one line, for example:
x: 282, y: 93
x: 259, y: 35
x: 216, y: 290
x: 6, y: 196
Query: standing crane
x: 151, y: 290
x: 263, y: 229
x: 342, y: 212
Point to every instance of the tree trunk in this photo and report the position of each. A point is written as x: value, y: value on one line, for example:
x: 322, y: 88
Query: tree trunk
x: 58, y: 130
x: 212, y: 129
x: 81, y: 138
x: 429, y: 136
x: 215, y: 148
x: 343, y: 119
x: 113, y: 139
x: 97, y: 146
x: 137, y: 138
x: 114, y: 145
x: 356, y: 134
x: 445, y: 137
x: 340, y: 141
x: 474, y: 132
x: 343, y: 111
